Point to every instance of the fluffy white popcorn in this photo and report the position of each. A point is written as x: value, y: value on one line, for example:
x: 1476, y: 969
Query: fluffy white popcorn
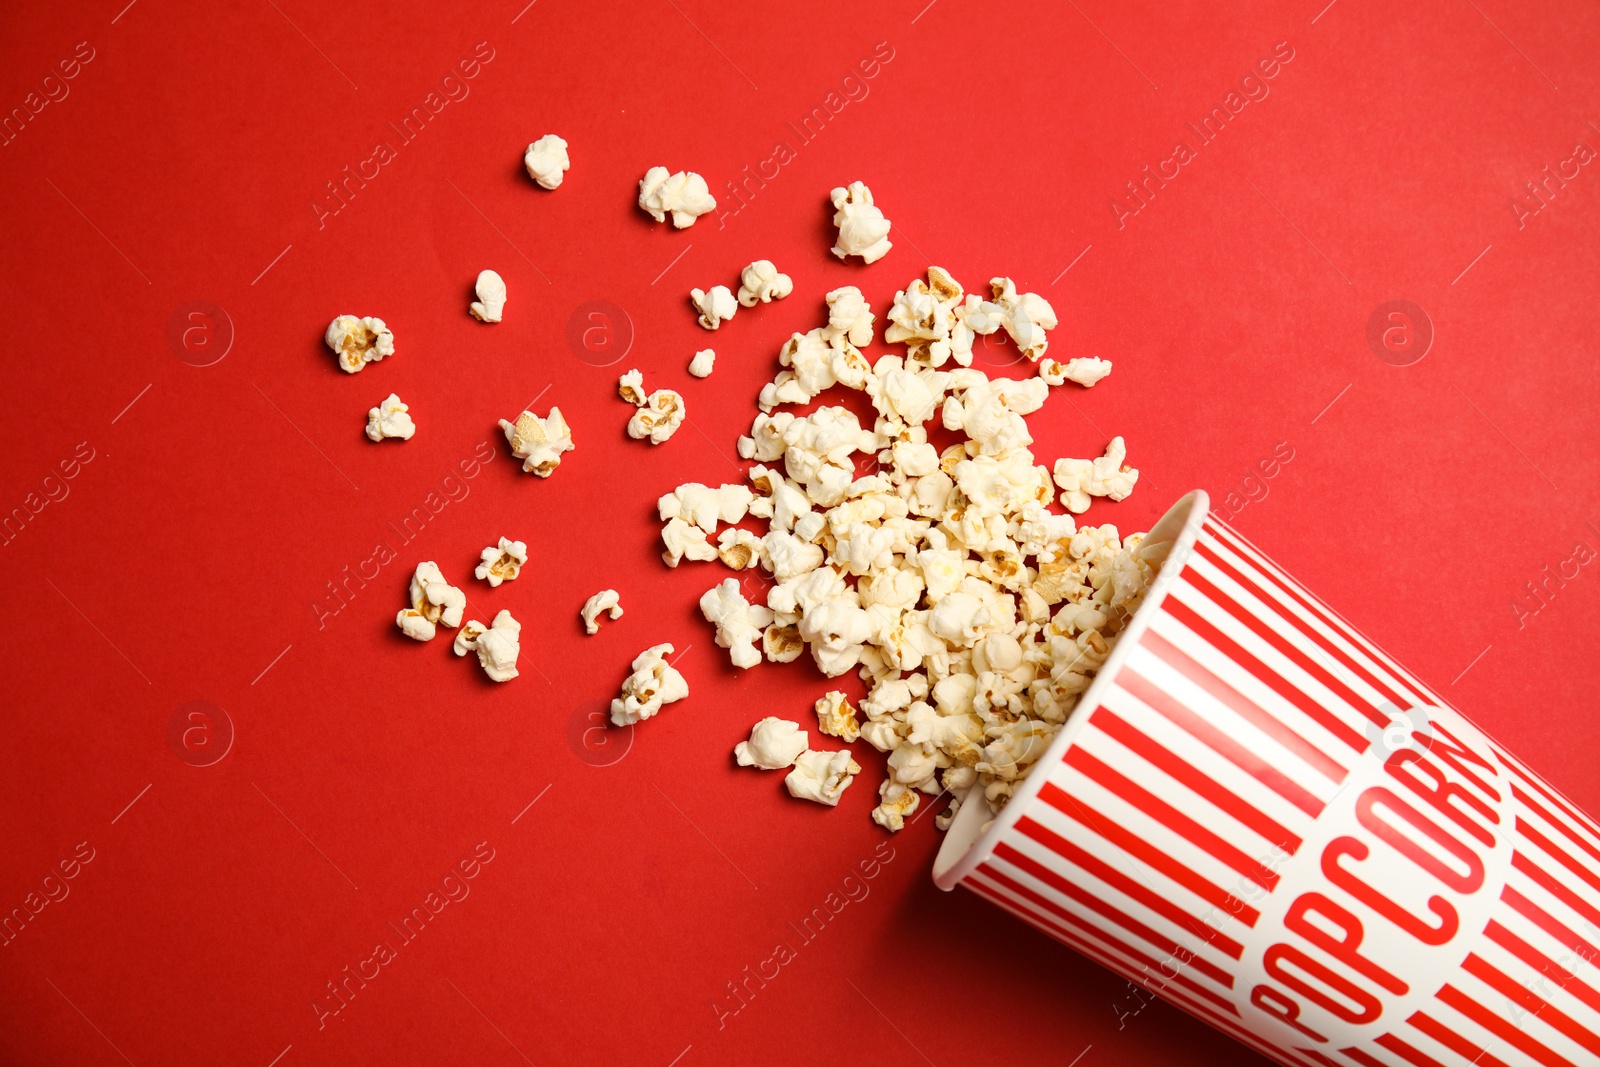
x: 1087, y: 371
x: 547, y: 162
x: 705, y: 506
x: 760, y: 282
x: 774, y: 744
x: 491, y: 302
x: 684, y: 195
x: 836, y: 717
x: 606, y: 601
x: 434, y: 602
x: 740, y: 550
x: 684, y: 541
x: 631, y: 387
x: 702, y: 363
x: 497, y: 645
x: 863, y: 231
x: 739, y: 623
x: 658, y: 418
x: 1024, y: 316
x: 715, y: 306
x: 849, y: 316
x: 652, y: 685
x: 1081, y: 479
x: 358, y: 341
x: 502, y: 562
x: 538, y: 442
x: 389, y: 419
x: 896, y: 801
x: 976, y: 614
x: 822, y: 776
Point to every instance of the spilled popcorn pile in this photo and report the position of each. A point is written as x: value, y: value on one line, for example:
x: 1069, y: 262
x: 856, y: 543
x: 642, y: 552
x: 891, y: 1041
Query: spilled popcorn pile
x: 975, y: 614
x: 920, y: 552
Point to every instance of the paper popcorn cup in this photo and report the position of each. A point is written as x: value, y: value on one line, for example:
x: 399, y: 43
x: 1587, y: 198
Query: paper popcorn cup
x: 1259, y: 816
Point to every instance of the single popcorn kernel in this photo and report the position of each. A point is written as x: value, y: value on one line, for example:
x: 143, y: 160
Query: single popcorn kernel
x: 498, y: 646
x: 358, y: 341
x: 836, y: 717
x: 658, y: 418
x: 502, y: 563
x: 715, y: 307
x: 390, y: 419
x: 863, y: 231
x: 761, y: 282
x: 605, y: 602
x: 538, y: 442
x: 491, y: 302
x: 546, y: 161
x: 684, y: 195
x: 652, y: 685
x: 434, y: 602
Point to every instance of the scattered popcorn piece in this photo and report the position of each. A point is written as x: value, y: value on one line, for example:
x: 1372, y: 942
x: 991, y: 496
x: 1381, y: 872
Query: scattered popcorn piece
x: 631, y: 387
x: 358, y: 341
x: 700, y: 366
x: 684, y: 195
x: 434, y: 602
x: 652, y: 685
x: 849, y: 317
x: 705, y: 506
x: 836, y: 717
x: 822, y: 776
x: 715, y: 307
x: 683, y: 541
x: 606, y: 601
x: 1087, y: 371
x: 863, y: 231
x: 739, y: 623
x: 502, y: 563
x: 491, y: 302
x: 546, y: 160
x: 389, y: 419
x: 774, y: 744
x: 1107, y: 476
x: 1024, y: 316
x: 760, y: 282
x: 659, y: 417
x: 497, y: 646
x: 538, y: 442
x: 895, y: 802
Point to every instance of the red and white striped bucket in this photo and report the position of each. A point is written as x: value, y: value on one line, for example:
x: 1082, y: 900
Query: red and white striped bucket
x: 1262, y: 818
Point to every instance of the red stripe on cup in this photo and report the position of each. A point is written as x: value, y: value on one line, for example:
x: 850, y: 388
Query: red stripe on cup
x: 1453, y: 1041
x: 1141, y: 849
x: 1568, y: 937
x: 1246, y: 659
x: 1544, y: 965
x: 1271, y: 573
x: 1196, y: 780
x: 1260, y: 769
x: 1541, y: 1009
x: 1212, y: 556
x: 1128, y: 887
x: 1408, y: 1052
x: 1452, y: 997
x: 1133, y: 926
x: 1242, y: 706
x: 1285, y: 648
x: 1185, y: 827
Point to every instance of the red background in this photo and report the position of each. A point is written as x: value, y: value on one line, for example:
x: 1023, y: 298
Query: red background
x: 184, y: 563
